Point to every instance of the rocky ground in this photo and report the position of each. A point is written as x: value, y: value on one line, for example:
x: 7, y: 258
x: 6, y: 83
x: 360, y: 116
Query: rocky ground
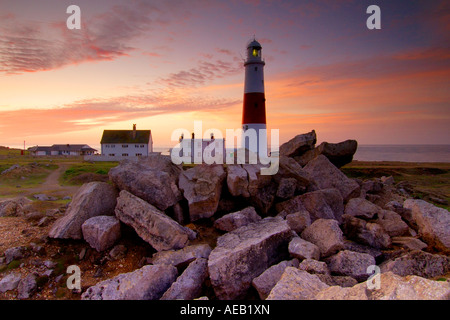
x: 158, y: 231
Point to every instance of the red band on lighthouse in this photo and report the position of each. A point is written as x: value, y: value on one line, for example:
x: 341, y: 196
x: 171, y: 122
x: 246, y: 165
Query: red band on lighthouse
x: 254, y: 108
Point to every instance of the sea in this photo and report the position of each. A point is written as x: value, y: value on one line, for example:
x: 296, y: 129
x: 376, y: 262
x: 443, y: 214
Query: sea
x: 403, y: 153
x: 366, y: 152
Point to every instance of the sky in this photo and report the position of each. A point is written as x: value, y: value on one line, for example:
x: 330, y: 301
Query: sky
x: 164, y: 64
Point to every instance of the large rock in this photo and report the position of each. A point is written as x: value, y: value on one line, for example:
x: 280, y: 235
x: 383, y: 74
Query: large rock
x: 235, y: 220
x: 91, y: 200
x: 392, y: 223
x: 9, y: 282
x: 261, y: 188
x: 269, y: 278
x: 151, y: 224
x: 392, y: 287
x: 433, y: 223
x: 361, y: 208
x: 286, y: 188
x: 349, y: 263
x: 321, y: 204
x: 153, y: 179
x: 302, y: 249
x: 296, y: 284
x: 326, y: 234
x: 147, y: 283
x: 368, y: 233
x: 298, y: 221
x: 243, y: 254
x: 418, y: 263
x: 237, y: 180
x: 202, y: 186
x: 13, y: 207
x: 101, y: 232
x: 27, y: 287
x: 299, y: 144
x: 324, y: 204
x: 339, y: 154
x: 289, y: 168
x: 182, y: 257
x: 189, y: 284
x: 325, y: 175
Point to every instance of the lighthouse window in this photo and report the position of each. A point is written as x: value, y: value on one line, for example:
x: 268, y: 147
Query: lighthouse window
x: 256, y: 68
x: 255, y: 52
x: 256, y: 105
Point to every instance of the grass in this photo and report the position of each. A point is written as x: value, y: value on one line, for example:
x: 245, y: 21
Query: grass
x: 427, y: 181
x: 74, y: 175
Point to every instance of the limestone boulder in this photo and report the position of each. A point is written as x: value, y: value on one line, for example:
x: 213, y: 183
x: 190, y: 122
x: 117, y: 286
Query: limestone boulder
x: 269, y: 278
x: 202, y: 187
x: 299, y: 144
x: 392, y: 223
x: 298, y: 221
x: 147, y: 283
x: 296, y: 284
x: 325, y: 175
x: 349, y: 263
x: 302, y: 249
x: 433, y: 223
x: 153, y: 179
x: 235, y: 220
x: 325, y: 234
x: 392, y: 287
x: 101, y: 232
x: 237, y: 181
x: 418, y: 263
x: 91, y: 200
x: 368, y: 233
x: 13, y: 207
x: 151, y: 224
x: 243, y: 254
x: 361, y: 208
x: 182, y: 257
x: 189, y: 284
x: 339, y: 154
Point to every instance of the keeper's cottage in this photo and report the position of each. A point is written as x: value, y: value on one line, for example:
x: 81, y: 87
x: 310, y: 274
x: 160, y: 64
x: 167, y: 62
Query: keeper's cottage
x: 126, y: 143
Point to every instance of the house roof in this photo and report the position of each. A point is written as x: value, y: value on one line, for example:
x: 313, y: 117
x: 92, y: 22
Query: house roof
x: 125, y: 136
x: 37, y: 148
x: 71, y: 147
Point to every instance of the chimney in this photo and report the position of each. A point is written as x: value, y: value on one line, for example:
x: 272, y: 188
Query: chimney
x: 193, y: 136
x: 134, y: 131
x: 212, y: 135
x: 181, y: 137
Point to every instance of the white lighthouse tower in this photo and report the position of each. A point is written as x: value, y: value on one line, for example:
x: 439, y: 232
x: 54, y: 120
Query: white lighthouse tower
x: 254, y: 109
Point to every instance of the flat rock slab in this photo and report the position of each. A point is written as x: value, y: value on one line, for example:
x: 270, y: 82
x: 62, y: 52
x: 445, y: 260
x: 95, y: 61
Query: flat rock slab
x: 147, y: 283
x: 151, y: 224
x: 237, y: 219
x: 243, y: 254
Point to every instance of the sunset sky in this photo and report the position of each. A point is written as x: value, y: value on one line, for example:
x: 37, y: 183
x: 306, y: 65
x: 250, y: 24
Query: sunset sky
x: 163, y: 64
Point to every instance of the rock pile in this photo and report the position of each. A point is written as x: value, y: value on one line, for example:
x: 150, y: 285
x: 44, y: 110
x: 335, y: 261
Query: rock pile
x: 308, y: 232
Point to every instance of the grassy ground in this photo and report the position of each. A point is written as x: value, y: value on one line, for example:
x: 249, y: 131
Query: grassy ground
x: 427, y: 181
x: 84, y: 172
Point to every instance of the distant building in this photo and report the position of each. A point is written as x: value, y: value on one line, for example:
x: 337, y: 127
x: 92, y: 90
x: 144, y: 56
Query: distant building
x: 62, y: 150
x: 126, y: 143
x: 193, y: 150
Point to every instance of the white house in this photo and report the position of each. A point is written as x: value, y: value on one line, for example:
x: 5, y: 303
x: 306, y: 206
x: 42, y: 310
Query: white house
x: 126, y: 143
x: 62, y: 150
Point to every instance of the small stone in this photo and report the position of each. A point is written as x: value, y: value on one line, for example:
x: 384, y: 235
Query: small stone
x: 27, y: 286
x: 9, y: 282
x: 302, y: 249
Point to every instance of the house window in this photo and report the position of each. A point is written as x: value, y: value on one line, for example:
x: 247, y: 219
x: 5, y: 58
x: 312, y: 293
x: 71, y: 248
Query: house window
x: 142, y: 146
x: 106, y: 145
x: 124, y: 146
x: 124, y: 154
x: 136, y: 146
x: 113, y: 146
x: 112, y: 154
x: 138, y: 154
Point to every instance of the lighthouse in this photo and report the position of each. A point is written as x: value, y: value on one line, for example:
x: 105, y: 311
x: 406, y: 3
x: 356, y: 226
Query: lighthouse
x: 254, y: 109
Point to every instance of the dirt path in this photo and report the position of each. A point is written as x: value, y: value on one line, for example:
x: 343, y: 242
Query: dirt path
x: 51, y: 185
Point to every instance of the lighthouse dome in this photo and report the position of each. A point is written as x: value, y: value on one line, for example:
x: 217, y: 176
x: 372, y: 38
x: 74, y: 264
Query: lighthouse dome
x: 254, y: 44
